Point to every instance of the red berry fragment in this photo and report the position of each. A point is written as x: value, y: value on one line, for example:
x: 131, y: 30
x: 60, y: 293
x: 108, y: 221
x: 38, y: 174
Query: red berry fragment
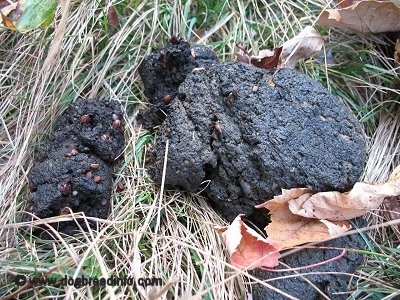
x: 167, y: 99
x: 218, y: 127
x: 84, y: 119
x: 94, y: 166
x: 97, y: 179
x: 65, y: 188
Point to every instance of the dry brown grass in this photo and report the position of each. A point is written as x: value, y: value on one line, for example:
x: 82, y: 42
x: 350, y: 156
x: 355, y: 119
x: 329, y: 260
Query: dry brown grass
x: 149, y: 233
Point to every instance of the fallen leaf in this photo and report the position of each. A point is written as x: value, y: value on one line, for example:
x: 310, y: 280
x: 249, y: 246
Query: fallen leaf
x: 267, y: 59
x: 397, y: 53
x: 336, y: 206
x: 335, y: 228
x: 7, y: 22
x: 113, y: 19
x: 31, y: 14
x: 288, y: 230
x: 248, y: 249
x: 344, y: 3
x: 264, y: 53
x: 364, y: 16
x: 6, y: 7
x: 303, y: 45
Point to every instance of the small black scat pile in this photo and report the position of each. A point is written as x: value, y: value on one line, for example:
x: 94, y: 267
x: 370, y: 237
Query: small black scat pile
x: 164, y: 70
x: 73, y: 169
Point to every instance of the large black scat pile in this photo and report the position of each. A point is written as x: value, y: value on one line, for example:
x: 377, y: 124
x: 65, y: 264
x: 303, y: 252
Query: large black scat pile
x: 73, y: 169
x: 249, y: 133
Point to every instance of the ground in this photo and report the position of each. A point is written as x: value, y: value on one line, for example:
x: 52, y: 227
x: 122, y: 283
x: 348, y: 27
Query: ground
x: 152, y: 230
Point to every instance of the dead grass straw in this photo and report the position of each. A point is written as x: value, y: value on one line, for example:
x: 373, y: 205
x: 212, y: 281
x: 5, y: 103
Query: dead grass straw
x: 151, y: 233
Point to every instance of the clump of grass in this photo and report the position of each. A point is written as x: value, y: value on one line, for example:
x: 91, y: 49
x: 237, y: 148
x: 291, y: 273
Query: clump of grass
x: 152, y: 234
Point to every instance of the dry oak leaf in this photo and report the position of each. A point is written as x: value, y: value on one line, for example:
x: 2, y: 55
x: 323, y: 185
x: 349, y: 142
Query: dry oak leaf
x: 247, y: 248
x: 303, y: 45
x: 288, y: 230
x: 364, y: 16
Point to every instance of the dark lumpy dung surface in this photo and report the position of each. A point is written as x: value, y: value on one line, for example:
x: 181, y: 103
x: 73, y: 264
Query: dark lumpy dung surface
x: 248, y: 133
x: 332, y: 278
x: 164, y: 70
x: 73, y: 169
x: 241, y: 134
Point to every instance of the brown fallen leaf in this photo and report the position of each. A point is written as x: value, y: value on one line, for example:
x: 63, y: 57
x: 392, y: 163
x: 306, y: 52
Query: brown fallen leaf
x: 336, y: 206
x: 267, y: 59
x: 364, y: 16
x: 288, y: 230
x: 344, y: 3
x: 248, y: 249
x: 112, y: 16
x: 302, y: 46
x: 336, y: 228
x: 6, y: 7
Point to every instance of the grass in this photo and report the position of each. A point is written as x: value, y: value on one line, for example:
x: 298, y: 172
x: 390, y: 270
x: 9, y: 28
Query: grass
x: 167, y: 235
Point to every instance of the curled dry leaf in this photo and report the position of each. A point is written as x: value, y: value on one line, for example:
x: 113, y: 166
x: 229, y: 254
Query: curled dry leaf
x: 266, y: 59
x: 336, y: 206
x: 336, y: 228
x: 364, y: 16
x: 302, y: 46
x: 288, y: 230
x: 248, y: 249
